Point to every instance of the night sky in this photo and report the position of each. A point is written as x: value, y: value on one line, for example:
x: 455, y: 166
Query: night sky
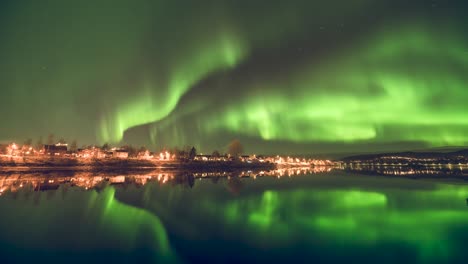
x: 297, y: 76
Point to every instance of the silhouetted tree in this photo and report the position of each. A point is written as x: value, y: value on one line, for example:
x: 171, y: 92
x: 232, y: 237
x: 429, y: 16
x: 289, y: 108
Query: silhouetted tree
x: 183, y: 154
x: 132, y: 151
x: 191, y: 180
x: 142, y: 149
x: 235, y: 148
x: 216, y: 154
x: 74, y: 146
x: 105, y: 146
x: 235, y: 185
x: 193, y: 153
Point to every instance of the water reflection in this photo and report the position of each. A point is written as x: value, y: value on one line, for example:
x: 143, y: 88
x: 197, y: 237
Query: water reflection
x: 51, y: 180
x: 446, y: 170
x: 319, y: 217
x: 69, y: 225
x: 236, y: 217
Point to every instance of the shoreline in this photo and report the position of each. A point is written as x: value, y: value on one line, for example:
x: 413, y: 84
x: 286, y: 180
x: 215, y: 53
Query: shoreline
x: 70, y: 164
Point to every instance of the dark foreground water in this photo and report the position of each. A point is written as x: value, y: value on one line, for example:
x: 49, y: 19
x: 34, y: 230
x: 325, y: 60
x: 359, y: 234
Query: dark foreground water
x: 155, y: 217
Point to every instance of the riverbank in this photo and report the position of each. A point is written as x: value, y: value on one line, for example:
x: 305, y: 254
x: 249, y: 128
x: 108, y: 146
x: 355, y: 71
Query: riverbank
x: 68, y: 163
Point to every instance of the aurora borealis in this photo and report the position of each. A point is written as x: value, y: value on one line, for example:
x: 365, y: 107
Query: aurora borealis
x: 282, y: 76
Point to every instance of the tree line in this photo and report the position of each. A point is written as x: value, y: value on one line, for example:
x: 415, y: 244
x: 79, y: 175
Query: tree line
x: 234, y: 148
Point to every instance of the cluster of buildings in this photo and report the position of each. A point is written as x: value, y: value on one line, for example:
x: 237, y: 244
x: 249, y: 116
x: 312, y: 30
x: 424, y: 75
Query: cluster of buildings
x: 14, y: 149
x: 294, y: 161
x: 98, y: 153
x: 93, y: 152
x: 279, y: 160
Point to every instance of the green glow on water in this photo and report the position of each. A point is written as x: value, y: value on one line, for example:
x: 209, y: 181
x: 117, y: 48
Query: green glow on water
x: 425, y: 220
x: 264, y: 217
x: 68, y: 220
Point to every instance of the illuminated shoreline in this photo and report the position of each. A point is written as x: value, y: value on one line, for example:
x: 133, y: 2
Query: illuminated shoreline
x: 48, y: 179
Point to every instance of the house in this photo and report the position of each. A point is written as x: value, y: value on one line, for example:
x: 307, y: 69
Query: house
x: 99, y: 154
x: 120, y: 153
x: 203, y: 157
x: 85, y: 153
x: 245, y: 158
x: 145, y: 155
x: 57, y: 149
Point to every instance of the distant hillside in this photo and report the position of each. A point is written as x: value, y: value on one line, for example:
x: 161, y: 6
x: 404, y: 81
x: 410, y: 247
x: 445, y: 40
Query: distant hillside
x: 410, y: 154
x: 442, y: 149
x: 348, y: 155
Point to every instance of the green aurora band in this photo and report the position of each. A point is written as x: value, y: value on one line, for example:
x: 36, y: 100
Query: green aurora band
x: 372, y: 92
x: 200, y: 55
x: 204, y: 72
x: 222, y: 53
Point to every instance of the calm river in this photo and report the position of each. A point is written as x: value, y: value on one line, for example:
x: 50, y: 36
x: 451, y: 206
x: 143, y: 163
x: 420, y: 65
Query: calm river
x: 286, y: 216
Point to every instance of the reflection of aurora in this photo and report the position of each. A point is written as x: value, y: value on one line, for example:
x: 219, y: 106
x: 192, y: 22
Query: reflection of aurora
x: 69, y: 219
x: 331, y: 216
x: 424, y: 220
